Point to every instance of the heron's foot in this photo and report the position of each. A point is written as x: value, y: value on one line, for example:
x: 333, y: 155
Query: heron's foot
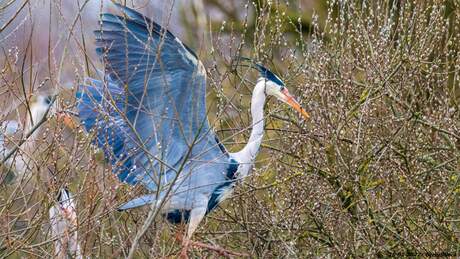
x: 184, y: 252
x: 221, y: 251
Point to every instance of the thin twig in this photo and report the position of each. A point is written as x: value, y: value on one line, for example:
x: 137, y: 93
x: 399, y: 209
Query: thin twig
x: 30, y: 132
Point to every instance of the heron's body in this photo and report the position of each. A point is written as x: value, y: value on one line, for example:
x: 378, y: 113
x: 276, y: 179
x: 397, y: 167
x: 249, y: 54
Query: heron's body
x: 149, y: 116
x: 191, y: 193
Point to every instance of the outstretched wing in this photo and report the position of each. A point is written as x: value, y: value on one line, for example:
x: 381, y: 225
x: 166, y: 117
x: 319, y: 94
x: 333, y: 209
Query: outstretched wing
x: 152, y: 101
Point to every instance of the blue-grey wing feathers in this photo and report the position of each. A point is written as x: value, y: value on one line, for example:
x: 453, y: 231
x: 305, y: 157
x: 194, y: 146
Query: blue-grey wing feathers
x: 149, y: 111
x: 138, y: 202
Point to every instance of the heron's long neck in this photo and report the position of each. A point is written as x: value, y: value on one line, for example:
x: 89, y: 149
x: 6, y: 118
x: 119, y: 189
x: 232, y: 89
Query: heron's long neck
x: 250, y: 151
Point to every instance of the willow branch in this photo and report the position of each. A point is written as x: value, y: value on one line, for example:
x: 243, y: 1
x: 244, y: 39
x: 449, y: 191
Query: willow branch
x: 30, y: 132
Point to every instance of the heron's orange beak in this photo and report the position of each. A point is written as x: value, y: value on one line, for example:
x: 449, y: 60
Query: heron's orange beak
x: 289, y: 99
x: 67, y: 120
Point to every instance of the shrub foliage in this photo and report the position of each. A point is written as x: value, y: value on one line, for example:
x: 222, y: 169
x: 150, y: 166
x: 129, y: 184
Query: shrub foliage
x: 375, y: 172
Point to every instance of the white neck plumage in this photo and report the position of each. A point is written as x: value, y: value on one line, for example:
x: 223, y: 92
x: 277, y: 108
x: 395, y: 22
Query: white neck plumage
x: 248, y: 154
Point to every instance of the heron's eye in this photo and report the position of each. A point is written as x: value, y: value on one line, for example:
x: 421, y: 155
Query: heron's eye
x: 48, y: 100
x: 282, y: 88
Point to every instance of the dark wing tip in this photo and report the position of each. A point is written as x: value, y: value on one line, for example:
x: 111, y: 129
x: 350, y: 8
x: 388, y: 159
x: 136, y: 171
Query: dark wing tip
x: 143, y: 20
x: 135, y: 17
x: 131, y: 13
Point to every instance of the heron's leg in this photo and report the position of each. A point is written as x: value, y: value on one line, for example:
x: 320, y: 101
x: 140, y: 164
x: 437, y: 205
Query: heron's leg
x: 196, y: 216
x: 180, y: 230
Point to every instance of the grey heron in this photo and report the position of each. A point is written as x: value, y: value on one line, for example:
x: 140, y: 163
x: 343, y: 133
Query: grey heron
x: 63, y: 217
x: 148, y: 113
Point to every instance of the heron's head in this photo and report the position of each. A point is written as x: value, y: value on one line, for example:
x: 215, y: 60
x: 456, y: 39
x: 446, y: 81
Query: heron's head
x: 40, y: 104
x: 274, y: 86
